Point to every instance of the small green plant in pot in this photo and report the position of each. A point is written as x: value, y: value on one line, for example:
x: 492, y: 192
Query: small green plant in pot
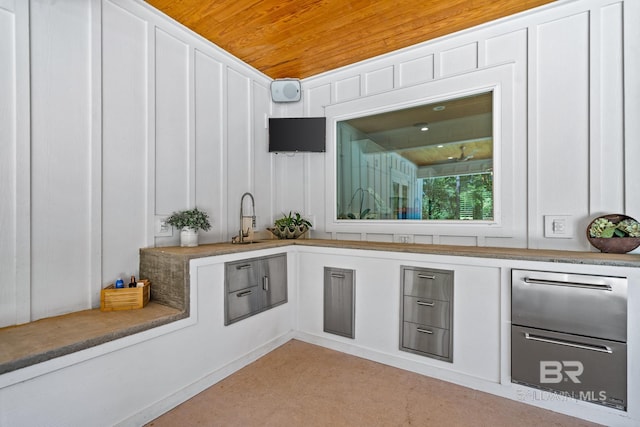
x: 290, y: 226
x: 189, y: 222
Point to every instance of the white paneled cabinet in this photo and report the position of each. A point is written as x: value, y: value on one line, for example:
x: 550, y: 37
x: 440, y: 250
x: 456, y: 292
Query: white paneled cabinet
x: 476, y: 323
x: 204, y: 350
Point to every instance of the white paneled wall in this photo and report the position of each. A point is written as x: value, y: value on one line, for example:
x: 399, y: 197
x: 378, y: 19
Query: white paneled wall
x: 132, y: 116
x: 15, y: 300
x: 113, y: 114
x: 125, y: 137
x: 60, y: 164
x: 570, y: 143
x: 607, y: 136
x: 8, y: 160
x: 209, y: 115
x: 560, y: 120
x: 195, y: 135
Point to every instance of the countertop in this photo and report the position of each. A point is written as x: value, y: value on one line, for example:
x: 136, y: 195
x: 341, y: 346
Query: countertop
x: 42, y: 340
x: 543, y: 255
x: 45, y: 339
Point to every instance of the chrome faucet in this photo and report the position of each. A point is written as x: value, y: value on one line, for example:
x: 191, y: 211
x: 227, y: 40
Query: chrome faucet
x: 242, y: 233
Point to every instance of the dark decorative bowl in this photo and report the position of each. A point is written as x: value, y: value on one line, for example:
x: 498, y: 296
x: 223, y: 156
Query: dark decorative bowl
x: 613, y: 245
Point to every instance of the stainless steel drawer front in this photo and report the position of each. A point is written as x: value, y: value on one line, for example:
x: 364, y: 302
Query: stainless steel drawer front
x: 585, y: 305
x: 426, y: 339
x: 580, y: 367
x: 240, y: 275
x: 242, y: 303
x: 428, y: 283
x: 427, y: 311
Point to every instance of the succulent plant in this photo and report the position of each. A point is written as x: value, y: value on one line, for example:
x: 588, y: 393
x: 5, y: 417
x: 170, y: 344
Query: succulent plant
x: 604, y: 228
x: 630, y: 227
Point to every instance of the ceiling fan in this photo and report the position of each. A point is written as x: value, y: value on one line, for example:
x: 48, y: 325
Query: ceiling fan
x: 463, y: 157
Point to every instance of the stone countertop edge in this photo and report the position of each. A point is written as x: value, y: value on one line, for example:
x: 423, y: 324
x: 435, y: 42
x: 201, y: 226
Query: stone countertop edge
x: 80, y: 345
x: 540, y: 255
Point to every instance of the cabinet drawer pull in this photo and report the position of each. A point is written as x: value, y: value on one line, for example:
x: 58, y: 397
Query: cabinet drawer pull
x: 337, y: 275
x: 426, y: 276
x: 594, y: 286
x: 424, y: 331
x: 599, y: 348
x: 244, y: 294
x: 427, y: 303
x: 265, y: 283
x: 243, y: 267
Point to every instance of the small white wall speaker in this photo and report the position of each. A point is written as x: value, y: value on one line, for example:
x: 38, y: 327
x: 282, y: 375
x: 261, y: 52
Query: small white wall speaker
x: 285, y: 90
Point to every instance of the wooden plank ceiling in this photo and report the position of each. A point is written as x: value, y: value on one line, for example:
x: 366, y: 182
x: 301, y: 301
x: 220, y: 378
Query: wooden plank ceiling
x: 302, y: 38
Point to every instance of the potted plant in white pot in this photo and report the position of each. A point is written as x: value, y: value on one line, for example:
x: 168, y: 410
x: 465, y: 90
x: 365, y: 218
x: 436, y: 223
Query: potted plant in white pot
x: 189, y: 222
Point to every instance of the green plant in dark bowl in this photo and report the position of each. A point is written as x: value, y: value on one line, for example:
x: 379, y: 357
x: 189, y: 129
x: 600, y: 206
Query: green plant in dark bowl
x: 614, y: 233
x: 290, y: 226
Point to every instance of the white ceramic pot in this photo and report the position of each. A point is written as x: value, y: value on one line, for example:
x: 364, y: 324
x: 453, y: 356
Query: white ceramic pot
x: 188, y: 237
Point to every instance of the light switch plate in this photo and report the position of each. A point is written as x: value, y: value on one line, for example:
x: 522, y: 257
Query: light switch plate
x: 558, y: 226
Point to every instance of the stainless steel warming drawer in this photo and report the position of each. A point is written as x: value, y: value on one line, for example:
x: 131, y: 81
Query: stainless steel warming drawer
x: 569, y: 335
x: 574, y: 303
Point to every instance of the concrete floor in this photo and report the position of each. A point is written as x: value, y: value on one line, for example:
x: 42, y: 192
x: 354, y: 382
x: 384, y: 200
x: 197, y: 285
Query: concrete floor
x: 300, y: 384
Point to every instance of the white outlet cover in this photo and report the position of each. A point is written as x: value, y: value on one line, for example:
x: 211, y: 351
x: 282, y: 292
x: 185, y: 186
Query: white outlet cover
x: 403, y: 238
x: 558, y: 226
x: 161, y: 228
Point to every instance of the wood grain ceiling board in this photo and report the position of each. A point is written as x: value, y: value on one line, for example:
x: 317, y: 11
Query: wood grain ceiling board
x: 302, y: 38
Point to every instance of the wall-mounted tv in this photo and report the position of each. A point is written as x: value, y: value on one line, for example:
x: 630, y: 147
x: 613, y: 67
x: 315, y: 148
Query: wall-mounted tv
x: 302, y: 134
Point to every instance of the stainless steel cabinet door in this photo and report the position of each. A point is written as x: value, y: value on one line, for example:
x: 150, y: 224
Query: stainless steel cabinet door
x: 273, y: 280
x: 254, y: 285
x: 339, y: 301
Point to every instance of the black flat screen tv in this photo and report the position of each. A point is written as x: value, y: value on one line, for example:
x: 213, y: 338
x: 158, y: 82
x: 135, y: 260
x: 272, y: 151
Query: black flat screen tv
x: 301, y: 134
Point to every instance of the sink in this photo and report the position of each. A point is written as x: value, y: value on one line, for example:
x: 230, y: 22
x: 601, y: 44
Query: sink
x: 248, y: 242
